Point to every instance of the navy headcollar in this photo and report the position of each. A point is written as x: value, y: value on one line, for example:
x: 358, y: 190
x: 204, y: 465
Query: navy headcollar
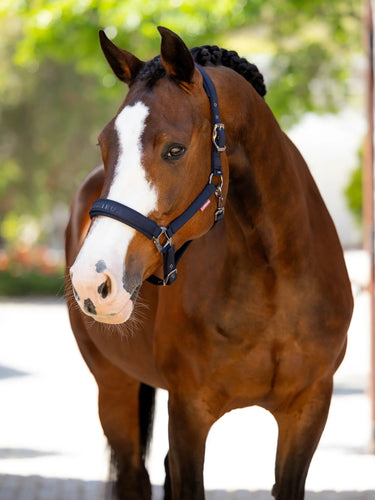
x: 148, y: 227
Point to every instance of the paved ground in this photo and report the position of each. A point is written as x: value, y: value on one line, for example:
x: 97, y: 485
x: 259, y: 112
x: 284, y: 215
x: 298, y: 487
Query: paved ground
x: 52, y: 447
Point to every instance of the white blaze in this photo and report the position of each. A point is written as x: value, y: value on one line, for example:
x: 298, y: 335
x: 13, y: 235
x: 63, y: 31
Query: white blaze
x: 108, y: 239
x: 130, y: 185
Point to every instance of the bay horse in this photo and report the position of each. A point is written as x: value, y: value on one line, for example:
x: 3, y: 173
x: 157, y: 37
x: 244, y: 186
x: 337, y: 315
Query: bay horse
x: 198, y: 178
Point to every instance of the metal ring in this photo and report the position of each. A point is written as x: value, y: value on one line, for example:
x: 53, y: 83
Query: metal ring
x: 221, y: 180
x: 157, y: 242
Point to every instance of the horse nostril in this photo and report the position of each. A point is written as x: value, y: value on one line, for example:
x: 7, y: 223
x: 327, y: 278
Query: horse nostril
x: 89, y: 306
x: 105, y: 288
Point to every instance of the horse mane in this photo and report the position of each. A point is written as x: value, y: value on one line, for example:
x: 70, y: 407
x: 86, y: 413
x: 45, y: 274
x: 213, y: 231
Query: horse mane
x: 153, y: 70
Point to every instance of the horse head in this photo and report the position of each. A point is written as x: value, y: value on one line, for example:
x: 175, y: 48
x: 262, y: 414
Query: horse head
x: 157, y: 158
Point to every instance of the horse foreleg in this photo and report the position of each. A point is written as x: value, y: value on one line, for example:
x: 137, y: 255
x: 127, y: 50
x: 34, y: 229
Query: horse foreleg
x: 119, y: 411
x: 301, y: 423
x: 188, y: 428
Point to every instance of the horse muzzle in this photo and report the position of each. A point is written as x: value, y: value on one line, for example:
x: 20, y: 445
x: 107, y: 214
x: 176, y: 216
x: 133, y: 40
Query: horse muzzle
x: 101, y: 294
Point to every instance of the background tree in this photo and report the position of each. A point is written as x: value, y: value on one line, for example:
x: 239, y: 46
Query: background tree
x: 56, y: 91
x: 353, y: 191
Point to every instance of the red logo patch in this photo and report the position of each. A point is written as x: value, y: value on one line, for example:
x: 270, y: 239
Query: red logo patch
x: 203, y: 207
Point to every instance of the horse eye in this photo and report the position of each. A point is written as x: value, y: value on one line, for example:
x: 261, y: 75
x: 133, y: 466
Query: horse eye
x: 173, y: 152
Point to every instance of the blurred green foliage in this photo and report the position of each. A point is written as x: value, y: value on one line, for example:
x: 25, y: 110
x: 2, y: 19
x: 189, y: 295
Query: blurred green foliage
x: 36, y: 270
x: 353, y: 191
x: 31, y: 283
x: 57, y: 92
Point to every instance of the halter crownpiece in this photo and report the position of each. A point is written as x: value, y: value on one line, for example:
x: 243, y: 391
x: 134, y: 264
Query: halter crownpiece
x: 148, y: 227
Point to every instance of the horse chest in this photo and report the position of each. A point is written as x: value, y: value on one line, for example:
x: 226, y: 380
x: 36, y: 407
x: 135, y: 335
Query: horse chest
x: 260, y: 347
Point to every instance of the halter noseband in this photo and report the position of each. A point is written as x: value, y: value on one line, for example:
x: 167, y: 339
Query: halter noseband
x: 150, y: 228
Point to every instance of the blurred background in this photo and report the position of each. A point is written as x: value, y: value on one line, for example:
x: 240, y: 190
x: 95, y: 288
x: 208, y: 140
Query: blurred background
x: 56, y: 94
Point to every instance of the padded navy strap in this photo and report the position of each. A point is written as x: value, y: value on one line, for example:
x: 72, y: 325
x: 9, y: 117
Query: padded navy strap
x: 171, y: 276
x: 210, y: 90
x: 144, y: 225
x: 169, y: 264
x: 218, y: 145
x: 192, y: 209
x: 126, y: 215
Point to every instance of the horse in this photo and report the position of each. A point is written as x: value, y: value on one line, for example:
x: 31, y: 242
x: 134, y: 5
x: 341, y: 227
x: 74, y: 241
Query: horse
x: 201, y: 192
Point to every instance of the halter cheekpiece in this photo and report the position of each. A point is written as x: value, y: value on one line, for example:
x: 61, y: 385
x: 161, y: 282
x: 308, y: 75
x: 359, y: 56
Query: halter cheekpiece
x: 150, y: 228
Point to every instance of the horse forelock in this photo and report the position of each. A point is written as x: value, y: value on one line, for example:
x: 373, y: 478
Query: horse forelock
x: 153, y: 70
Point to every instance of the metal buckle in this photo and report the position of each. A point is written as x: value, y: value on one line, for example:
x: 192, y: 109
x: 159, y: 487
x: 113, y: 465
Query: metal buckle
x: 220, y: 204
x: 217, y: 126
x: 158, y: 245
x: 219, y: 214
x: 171, y: 276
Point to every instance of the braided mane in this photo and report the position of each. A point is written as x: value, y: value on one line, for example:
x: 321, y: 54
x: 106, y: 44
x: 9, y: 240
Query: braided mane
x: 153, y: 70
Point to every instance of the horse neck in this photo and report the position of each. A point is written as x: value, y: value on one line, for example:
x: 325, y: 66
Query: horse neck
x: 268, y: 176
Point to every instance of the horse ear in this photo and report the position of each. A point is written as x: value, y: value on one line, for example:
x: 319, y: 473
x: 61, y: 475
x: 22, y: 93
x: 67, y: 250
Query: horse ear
x: 175, y: 56
x: 124, y: 65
